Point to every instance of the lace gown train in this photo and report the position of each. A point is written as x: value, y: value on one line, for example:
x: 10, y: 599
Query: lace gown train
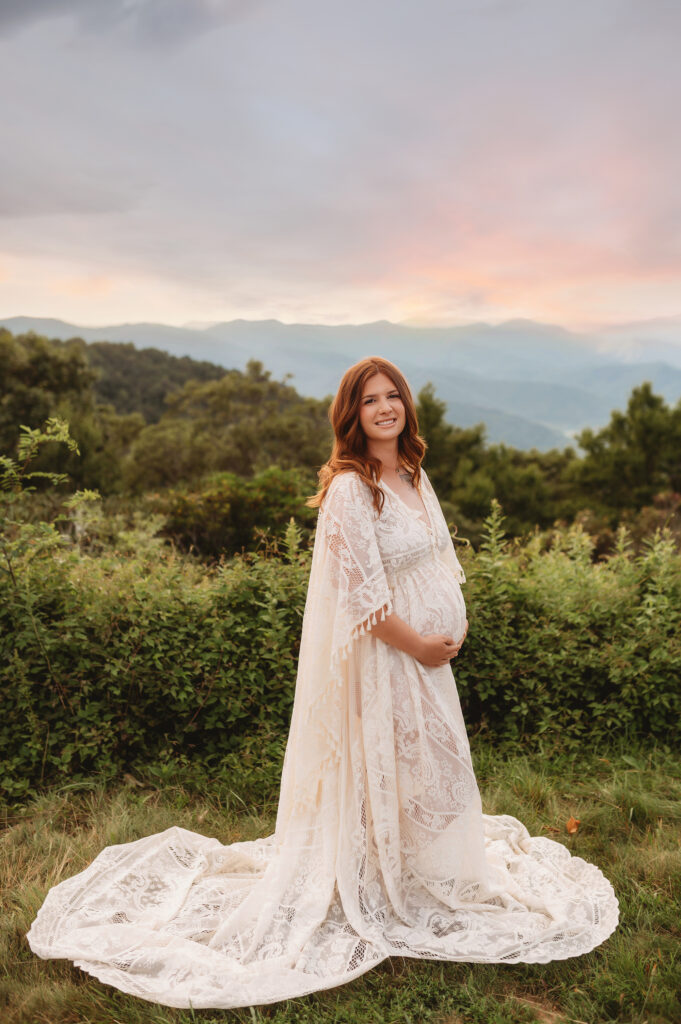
x: 380, y: 846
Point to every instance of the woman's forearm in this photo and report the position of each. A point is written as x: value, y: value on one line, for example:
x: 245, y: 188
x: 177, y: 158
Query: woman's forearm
x: 400, y: 634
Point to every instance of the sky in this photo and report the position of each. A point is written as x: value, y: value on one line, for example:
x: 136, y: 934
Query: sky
x: 430, y: 161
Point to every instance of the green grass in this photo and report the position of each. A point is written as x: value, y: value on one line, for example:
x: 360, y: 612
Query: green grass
x: 628, y: 804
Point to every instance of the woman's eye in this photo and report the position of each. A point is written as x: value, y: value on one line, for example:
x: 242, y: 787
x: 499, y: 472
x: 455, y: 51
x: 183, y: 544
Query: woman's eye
x: 367, y: 401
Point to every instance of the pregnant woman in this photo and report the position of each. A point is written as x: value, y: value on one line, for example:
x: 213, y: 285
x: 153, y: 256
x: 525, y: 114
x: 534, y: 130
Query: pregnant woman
x: 380, y: 846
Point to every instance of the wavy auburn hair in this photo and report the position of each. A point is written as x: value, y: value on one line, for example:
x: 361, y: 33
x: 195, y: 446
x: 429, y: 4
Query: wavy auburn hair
x: 350, y: 442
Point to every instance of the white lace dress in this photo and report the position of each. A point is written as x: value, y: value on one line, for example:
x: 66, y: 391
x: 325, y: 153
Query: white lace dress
x: 380, y: 847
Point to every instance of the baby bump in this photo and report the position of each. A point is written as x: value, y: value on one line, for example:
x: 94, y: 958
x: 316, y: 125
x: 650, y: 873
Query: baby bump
x: 429, y: 598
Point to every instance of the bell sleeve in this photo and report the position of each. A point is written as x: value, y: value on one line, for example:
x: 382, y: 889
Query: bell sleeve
x: 356, y: 584
x: 348, y: 593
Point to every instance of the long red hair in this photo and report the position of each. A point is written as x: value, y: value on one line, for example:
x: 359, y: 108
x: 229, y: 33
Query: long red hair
x: 350, y: 442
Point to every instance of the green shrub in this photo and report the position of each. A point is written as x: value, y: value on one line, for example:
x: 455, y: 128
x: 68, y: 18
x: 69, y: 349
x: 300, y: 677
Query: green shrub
x: 228, y: 512
x: 558, y: 644
x: 121, y: 660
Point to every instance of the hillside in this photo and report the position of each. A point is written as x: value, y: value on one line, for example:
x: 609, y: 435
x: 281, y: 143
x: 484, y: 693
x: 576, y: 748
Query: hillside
x: 138, y: 380
x: 532, y: 385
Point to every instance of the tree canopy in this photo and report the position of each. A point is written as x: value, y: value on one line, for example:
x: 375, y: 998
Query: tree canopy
x: 146, y: 421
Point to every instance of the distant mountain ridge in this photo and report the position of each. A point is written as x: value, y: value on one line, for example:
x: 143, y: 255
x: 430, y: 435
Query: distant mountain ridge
x: 532, y: 384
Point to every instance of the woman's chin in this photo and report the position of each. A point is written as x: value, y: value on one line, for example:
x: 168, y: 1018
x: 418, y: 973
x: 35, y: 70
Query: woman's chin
x: 383, y: 435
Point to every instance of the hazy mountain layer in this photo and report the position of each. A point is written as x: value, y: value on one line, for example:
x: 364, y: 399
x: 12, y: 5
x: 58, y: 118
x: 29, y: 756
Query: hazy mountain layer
x: 533, y: 385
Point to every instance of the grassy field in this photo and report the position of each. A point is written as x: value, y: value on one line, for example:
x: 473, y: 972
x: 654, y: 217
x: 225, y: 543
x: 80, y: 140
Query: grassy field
x: 628, y: 804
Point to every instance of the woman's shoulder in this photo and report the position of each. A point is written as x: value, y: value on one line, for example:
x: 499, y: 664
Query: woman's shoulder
x: 348, y: 487
x: 345, y: 482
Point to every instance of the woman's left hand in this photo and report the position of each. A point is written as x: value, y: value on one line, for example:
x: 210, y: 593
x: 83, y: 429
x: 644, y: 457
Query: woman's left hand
x: 465, y: 631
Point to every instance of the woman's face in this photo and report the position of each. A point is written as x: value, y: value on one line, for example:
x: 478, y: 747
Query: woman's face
x: 381, y: 410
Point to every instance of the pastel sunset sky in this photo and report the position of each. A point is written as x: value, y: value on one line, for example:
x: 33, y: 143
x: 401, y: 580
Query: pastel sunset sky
x: 435, y: 161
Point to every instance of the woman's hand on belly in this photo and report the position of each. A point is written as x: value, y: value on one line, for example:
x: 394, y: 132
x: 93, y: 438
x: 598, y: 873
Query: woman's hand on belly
x: 431, y: 649
x: 437, y: 649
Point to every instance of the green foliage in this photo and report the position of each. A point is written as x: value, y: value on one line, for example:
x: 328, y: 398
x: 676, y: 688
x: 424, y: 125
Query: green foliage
x: 562, y: 646
x: 630, y: 469
x: 663, y: 513
x: 141, y: 654
x: 41, y: 379
x: 173, y: 422
x: 15, y: 473
x: 145, y: 659
x: 22, y: 544
x: 230, y: 513
x: 113, y: 661
x: 134, y: 380
x: 534, y: 487
x: 242, y: 423
x: 634, y: 457
x: 216, y: 420
x: 35, y: 379
x: 117, y: 661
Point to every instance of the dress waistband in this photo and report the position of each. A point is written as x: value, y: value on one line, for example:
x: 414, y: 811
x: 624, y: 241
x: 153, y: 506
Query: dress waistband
x: 394, y: 572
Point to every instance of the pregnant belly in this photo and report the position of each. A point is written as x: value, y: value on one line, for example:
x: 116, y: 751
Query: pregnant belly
x: 429, y: 598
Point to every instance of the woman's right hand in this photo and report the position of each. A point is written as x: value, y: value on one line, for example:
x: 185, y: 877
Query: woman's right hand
x: 437, y: 649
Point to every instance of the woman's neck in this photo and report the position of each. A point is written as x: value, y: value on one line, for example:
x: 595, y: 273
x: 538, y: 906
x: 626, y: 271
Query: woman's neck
x: 386, y: 452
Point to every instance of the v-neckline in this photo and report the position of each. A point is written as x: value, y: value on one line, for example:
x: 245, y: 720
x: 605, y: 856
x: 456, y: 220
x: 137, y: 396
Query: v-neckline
x: 427, y: 521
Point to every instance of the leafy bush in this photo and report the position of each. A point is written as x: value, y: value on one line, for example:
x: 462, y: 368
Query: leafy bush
x: 116, y: 661
x: 228, y: 513
x: 122, y: 661
x: 557, y: 644
x: 242, y: 423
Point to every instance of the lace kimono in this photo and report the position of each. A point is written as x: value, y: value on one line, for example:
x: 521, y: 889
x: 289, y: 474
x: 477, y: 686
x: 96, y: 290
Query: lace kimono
x: 380, y: 846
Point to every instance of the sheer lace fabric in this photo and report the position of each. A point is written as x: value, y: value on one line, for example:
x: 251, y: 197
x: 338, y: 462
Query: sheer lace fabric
x: 380, y: 845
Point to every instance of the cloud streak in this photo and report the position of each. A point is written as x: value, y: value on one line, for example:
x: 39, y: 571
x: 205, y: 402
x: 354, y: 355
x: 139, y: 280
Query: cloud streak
x: 446, y: 159
x: 153, y: 22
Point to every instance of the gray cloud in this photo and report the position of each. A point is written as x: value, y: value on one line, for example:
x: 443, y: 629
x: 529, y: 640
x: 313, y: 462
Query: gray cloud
x: 148, y: 21
x: 31, y: 196
x: 17, y: 12
x: 308, y: 147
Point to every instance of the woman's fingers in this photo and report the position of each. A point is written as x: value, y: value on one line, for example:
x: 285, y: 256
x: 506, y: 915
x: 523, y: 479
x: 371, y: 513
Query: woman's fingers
x: 451, y: 648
